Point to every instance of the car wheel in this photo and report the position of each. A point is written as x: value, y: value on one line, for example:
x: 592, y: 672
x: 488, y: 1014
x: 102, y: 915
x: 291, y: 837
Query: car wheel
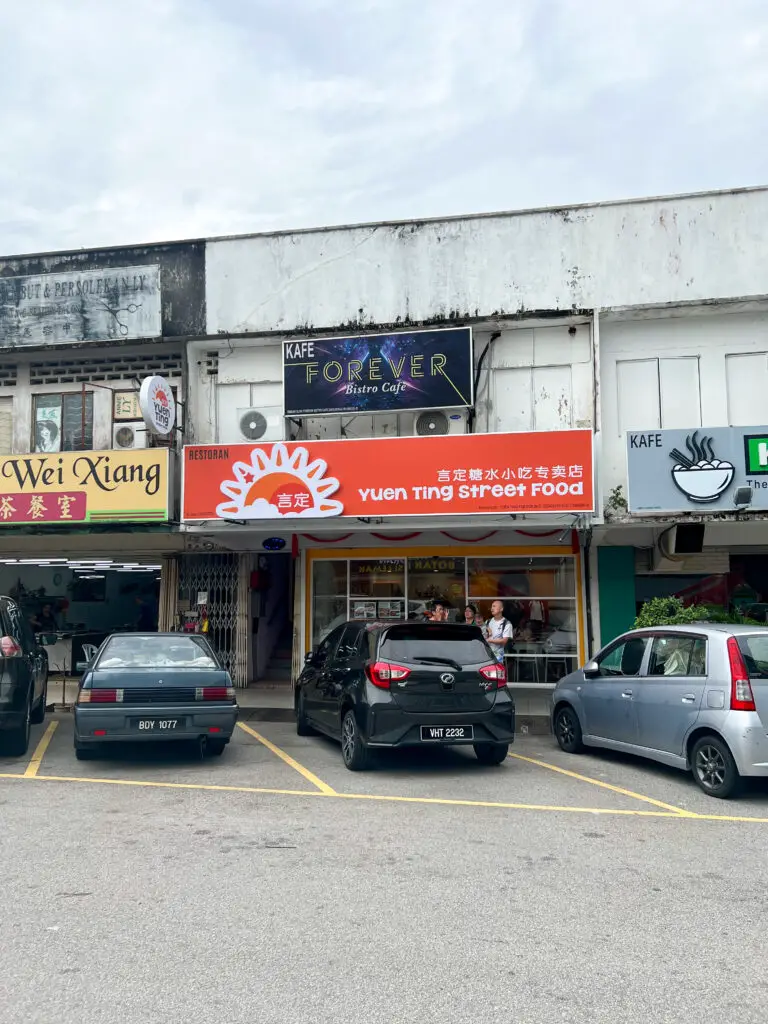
x: 38, y: 714
x: 568, y: 730
x: 215, y: 748
x: 84, y: 753
x: 353, y: 749
x: 491, y: 753
x: 303, y: 728
x: 16, y: 741
x: 714, y: 768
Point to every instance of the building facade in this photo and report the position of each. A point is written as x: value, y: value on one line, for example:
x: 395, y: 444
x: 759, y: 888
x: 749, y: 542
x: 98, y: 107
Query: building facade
x: 442, y: 410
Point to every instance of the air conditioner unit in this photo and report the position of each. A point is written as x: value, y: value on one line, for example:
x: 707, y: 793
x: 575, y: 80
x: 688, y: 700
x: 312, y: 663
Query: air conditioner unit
x: 440, y: 421
x: 129, y: 435
x: 265, y: 424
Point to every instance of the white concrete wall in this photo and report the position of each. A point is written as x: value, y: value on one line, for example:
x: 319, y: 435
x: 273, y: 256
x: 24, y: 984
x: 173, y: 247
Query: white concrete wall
x: 686, y: 371
x: 646, y: 252
x: 533, y: 378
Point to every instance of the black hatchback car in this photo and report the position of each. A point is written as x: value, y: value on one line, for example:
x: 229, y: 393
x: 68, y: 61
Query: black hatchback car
x: 23, y: 679
x: 374, y: 685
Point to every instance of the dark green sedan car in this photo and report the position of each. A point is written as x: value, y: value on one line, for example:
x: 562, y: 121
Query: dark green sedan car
x: 152, y: 687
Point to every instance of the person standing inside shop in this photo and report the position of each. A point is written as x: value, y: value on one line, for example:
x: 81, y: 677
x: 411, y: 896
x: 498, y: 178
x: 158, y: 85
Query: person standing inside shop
x: 498, y: 631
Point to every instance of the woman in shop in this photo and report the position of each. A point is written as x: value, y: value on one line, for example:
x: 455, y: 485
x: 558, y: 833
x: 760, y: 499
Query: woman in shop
x: 472, y: 616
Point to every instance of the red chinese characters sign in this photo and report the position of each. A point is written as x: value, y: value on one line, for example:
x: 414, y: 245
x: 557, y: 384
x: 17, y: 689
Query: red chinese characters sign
x: 455, y: 474
x: 47, y: 507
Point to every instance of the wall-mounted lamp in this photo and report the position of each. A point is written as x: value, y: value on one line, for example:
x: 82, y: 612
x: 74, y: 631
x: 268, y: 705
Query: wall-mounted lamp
x: 743, y: 497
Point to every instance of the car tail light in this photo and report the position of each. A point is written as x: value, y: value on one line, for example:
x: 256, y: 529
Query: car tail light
x: 742, y: 698
x: 383, y: 673
x: 496, y: 673
x: 100, y: 697
x: 10, y: 648
x: 215, y: 693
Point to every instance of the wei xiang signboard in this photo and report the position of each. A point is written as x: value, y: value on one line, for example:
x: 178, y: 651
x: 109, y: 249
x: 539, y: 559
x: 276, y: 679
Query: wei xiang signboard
x: 697, y: 470
x: 85, y: 487
x: 407, y: 476
x: 85, y: 305
x: 378, y: 372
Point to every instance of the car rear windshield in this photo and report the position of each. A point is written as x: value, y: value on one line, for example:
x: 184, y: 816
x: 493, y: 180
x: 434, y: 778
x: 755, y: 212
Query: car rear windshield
x: 754, y: 650
x: 439, y: 642
x: 156, y: 652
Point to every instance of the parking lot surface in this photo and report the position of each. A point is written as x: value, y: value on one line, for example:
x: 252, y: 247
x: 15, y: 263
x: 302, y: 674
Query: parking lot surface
x: 271, y: 884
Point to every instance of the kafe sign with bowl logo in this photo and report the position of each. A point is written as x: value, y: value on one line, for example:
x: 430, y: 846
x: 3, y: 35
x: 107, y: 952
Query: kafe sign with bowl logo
x: 157, y: 404
x: 696, y: 470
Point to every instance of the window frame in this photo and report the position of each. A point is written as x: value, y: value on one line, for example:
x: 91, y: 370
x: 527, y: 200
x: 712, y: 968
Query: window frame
x: 622, y: 641
x: 86, y: 397
x: 662, y: 635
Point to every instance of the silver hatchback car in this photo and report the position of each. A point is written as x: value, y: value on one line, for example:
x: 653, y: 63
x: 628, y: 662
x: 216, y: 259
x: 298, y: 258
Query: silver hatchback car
x: 694, y: 697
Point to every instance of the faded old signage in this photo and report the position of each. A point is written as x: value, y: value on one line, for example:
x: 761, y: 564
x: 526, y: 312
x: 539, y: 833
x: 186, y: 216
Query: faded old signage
x: 87, y: 305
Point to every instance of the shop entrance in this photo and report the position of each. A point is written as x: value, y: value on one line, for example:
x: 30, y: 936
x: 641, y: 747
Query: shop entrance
x: 271, y: 619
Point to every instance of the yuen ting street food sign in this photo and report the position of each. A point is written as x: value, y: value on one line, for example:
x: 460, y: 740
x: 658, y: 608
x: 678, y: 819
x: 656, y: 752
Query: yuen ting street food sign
x: 85, y: 487
x: 472, y: 474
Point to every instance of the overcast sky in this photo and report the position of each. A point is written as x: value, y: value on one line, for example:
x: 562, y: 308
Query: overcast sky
x: 142, y: 120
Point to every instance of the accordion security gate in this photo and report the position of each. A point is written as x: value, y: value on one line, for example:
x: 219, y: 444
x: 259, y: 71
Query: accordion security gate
x: 224, y: 578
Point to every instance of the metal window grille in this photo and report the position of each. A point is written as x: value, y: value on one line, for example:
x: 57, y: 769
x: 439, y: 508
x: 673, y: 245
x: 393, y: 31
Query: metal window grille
x: 219, y: 576
x: 115, y: 366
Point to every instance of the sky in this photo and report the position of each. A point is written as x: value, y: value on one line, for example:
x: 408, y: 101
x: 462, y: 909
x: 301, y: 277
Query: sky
x: 129, y: 121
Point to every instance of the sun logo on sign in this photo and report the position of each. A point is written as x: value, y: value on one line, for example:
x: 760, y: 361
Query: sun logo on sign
x: 276, y: 485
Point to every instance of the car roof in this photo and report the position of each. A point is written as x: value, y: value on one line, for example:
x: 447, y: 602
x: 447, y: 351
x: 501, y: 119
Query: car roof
x: 709, y: 628
x: 379, y: 627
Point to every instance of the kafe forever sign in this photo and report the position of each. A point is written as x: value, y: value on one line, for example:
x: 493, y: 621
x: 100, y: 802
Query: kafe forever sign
x: 157, y: 404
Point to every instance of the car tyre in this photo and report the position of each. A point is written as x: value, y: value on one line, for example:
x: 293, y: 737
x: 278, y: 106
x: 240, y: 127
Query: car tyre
x: 215, y: 748
x: 16, y: 741
x: 714, y: 768
x: 84, y: 753
x: 353, y: 748
x: 38, y: 713
x: 568, y: 730
x: 491, y: 753
x: 303, y: 728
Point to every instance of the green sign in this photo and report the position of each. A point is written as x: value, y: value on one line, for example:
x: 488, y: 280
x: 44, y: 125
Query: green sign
x: 756, y: 452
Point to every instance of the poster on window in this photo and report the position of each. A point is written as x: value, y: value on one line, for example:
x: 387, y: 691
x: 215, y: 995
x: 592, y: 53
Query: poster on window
x: 48, y: 424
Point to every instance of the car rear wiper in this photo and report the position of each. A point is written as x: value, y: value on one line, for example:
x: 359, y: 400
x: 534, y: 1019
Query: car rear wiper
x: 438, y: 661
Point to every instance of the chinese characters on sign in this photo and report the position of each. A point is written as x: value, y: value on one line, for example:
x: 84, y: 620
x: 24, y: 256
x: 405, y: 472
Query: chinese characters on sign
x: 455, y: 475
x: 86, y: 305
x: 49, y: 507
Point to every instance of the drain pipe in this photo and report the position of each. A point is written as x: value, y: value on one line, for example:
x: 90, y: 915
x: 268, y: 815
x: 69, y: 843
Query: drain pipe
x: 588, y: 589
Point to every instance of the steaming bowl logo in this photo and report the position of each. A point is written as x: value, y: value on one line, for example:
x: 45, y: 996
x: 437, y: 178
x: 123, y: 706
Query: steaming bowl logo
x: 700, y: 475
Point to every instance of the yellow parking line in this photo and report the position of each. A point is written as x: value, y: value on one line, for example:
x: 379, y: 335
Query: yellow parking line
x: 377, y: 798
x: 308, y: 775
x: 34, y: 765
x: 606, y: 785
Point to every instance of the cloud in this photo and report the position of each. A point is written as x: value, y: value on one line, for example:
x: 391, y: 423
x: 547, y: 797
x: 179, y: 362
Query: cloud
x: 183, y: 118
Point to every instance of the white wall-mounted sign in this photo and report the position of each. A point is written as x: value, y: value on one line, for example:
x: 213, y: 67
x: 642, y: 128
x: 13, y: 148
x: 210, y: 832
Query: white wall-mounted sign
x: 157, y: 404
x: 80, y: 305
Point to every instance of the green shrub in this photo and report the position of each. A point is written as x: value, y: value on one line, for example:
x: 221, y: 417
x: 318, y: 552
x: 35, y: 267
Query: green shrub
x: 670, y: 611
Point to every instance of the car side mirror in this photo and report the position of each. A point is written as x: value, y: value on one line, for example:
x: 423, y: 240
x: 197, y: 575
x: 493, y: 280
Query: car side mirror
x: 591, y: 670
x: 309, y: 657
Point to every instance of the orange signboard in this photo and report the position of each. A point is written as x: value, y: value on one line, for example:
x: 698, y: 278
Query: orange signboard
x: 406, y: 476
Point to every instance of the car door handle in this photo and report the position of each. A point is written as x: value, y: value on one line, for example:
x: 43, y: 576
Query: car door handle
x: 627, y: 694
x: 689, y: 698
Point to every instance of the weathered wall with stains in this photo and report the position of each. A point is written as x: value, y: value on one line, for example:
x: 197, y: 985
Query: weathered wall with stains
x: 649, y: 252
x: 681, y: 372
x: 102, y: 295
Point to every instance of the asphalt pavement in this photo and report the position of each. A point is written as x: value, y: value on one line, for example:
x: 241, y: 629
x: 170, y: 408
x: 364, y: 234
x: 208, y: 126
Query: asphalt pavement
x: 430, y: 888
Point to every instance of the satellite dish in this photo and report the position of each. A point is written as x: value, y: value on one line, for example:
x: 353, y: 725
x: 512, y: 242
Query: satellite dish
x: 432, y: 423
x: 253, y: 425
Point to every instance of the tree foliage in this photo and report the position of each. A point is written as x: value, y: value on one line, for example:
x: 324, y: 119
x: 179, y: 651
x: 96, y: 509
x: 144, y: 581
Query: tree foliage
x: 670, y: 611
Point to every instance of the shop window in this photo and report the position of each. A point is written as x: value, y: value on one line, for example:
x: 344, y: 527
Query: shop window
x: 329, y: 596
x: 435, y: 578
x: 59, y: 421
x: 377, y: 589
